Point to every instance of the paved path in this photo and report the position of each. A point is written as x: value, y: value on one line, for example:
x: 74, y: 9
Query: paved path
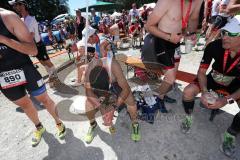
x: 161, y: 141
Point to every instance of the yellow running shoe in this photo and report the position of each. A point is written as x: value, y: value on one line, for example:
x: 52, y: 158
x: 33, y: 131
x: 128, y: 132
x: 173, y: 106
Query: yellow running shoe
x: 90, y: 135
x: 112, y: 130
x: 37, y: 136
x: 61, y: 131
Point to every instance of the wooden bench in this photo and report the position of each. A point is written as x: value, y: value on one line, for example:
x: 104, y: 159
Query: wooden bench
x: 132, y: 62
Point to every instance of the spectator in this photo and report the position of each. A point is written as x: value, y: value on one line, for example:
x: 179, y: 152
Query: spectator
x: 133, y: 13
x: 79, y: 24
x: 94, y: 19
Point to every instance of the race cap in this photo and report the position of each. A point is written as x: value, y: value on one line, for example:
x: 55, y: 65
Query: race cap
x: 89, y: 31
x: 233, y: 25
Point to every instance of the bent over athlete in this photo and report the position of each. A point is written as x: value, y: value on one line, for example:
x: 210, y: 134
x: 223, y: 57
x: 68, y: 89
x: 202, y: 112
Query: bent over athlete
x: 18, y: 75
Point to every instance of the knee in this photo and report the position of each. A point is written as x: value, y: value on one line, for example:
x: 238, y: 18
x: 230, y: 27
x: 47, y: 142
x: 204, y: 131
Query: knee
x: 189, y: 92
x: 170, y: 77
x: 47, y: 101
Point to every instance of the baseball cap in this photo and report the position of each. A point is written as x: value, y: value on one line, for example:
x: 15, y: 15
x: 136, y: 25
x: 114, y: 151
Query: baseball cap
x: 233, y: 25
x: 89, y: 31
x: 18, y: 1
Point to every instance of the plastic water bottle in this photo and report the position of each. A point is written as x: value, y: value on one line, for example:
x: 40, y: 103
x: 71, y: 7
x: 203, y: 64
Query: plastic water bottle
x: 188, y: 45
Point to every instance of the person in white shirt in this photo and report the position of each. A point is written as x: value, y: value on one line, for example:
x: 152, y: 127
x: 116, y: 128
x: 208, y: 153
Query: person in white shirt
x: 133, y: 13
x: 21, y: 7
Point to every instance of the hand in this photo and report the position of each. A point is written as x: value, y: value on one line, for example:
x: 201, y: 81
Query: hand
x: 203, y: 98
x: 193, y: 38
x: 220, y: 102
x: 175, y: 38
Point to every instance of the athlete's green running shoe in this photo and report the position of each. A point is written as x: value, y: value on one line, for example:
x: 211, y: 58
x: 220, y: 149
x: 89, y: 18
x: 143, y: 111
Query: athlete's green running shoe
x: 228, y: 145
x: 135, y: 135
x: 90, y: 135
x: 61, y: 131
x: 186, y: 124
x: 37, y: 136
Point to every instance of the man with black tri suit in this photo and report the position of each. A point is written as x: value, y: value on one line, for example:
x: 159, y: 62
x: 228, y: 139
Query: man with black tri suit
x: 18, y: 76
x: 169, y: 22
x: 21, y: 7
x: 224, y: 77
x: 103, y: 75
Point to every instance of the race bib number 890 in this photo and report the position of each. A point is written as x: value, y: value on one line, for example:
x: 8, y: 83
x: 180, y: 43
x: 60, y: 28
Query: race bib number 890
x: 12, y: 78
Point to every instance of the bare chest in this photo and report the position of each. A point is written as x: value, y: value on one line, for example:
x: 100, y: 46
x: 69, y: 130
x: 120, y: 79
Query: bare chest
x: 176, y: 12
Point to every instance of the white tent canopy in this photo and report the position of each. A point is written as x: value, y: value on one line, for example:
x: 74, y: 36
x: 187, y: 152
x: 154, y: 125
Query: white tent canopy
x: 116, y: 14
x: 149, y: 5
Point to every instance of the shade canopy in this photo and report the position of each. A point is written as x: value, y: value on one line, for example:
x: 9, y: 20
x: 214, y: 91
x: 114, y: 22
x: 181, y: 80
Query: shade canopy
x: 100, y: 6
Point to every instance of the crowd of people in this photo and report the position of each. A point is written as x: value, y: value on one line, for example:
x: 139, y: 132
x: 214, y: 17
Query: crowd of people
x: 106, y: 87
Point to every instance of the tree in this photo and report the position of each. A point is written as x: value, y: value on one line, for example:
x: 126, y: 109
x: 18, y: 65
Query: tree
x: 43, y: 9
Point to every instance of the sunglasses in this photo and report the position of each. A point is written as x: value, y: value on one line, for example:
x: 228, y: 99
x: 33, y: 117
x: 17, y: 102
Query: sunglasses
x: 229, y: 34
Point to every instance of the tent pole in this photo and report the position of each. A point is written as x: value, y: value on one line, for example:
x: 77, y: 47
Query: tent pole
x: 87, y: 24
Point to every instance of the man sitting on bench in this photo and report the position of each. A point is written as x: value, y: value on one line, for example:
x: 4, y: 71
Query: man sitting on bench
x: 225, y: 75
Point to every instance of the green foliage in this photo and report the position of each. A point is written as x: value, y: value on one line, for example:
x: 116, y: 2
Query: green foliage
x: 128, y: 3
x: 43, y: 9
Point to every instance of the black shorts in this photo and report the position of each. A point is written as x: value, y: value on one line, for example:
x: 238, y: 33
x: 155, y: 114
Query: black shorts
x: 212, y: 19
x: 35, y: 85
x: 165, y: 52
x: 42, y: 52
x: 219, y: 22
x: 211, y: 84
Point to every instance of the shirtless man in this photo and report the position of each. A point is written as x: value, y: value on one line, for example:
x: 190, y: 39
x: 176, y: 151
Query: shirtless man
x: 167, y: 24
x: 233, y: 7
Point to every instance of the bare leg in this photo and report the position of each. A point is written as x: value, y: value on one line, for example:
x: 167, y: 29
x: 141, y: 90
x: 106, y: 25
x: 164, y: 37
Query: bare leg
x: 90, y: 111
x: 26, y: 104
x: 131, y: 107
x: 50, y: 106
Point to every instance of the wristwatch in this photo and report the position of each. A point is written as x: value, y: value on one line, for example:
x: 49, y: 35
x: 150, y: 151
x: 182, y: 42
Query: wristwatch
x: 230, y: 101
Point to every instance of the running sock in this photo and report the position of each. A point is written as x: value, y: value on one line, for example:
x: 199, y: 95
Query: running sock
x: 164, y: 88
x: 234, y: 129
x: 188, y: 106
x: 39, y: 126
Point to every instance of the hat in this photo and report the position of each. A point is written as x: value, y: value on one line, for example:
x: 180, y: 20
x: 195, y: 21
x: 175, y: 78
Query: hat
x: 78, y: 9
x: 233, y: 25
x: 18, y: 1
x: 92, y: 9
x: 89, y: 31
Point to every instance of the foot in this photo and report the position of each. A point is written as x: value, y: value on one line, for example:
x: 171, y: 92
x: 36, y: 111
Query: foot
x: 136, y: 136
x: 186, y: 124
x: 61, y: 131
x: 90, y: 135
x: 162, y: 107
x: 169, y: 99
x: 112, y: 130
x: 37, y: 136
x: 228, y: 145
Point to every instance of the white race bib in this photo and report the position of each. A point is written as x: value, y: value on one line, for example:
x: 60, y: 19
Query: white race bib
x: 12, y: 78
